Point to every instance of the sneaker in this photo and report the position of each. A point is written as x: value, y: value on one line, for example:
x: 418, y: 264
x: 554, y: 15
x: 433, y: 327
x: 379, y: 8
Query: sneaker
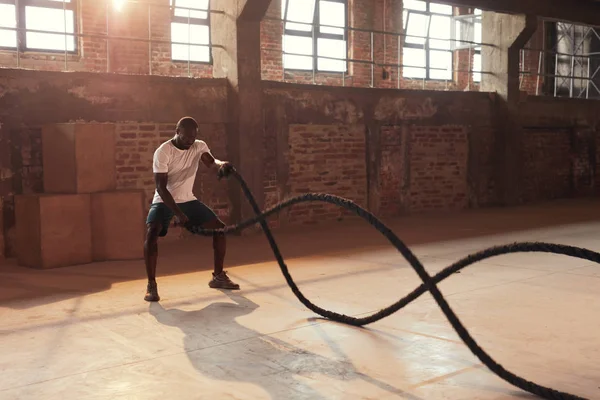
x: 152, y: 292
x: 222, y: 281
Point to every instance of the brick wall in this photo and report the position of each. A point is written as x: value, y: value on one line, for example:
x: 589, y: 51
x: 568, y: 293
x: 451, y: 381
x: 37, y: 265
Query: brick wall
x: 119, y: 55
x: 126, y: 56
x: 544, y: 151
x: 93, y: 50
x: 420, y: 168
x: 438, y: 157
x: 135, y: 147
x: 326, y: 159
x: 463, y: 60
x: 386, y: 117
x: 271, y: 31
x: 25, y: 153
x: 562, y: 146
x: 583, y: 149
x: 382, y: 16
x: 27, y: 174
x: 26, y: 149
x: 570, y: 155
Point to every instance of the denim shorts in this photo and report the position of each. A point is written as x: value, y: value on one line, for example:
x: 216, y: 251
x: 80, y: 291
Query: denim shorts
x: 197, y: 212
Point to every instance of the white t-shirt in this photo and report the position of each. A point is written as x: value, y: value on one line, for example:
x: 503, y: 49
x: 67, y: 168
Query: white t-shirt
x: 181, y: 167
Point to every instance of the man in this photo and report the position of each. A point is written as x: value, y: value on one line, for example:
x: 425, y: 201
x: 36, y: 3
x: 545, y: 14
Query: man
x: 175, y: 165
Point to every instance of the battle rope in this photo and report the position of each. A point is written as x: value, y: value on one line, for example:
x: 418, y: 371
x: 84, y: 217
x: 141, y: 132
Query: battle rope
x: 429, y: 282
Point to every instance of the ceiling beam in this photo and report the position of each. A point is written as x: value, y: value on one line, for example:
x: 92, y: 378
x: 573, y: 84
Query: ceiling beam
x: 585, y: 12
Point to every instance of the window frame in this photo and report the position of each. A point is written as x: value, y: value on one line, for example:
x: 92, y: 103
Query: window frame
x: 22, y: 29
x: 316, y: 26
x: 426, y: 45
x: 477, y: 50
x: 192, y: 21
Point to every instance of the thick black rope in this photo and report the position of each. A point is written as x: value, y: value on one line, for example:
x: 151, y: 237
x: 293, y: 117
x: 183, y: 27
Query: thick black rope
x: 429, y: 282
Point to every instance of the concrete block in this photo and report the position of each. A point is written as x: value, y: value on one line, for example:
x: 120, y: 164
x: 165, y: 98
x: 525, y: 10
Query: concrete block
x: 79, y: 158
x: 118, y: 225
x: 53, y: 230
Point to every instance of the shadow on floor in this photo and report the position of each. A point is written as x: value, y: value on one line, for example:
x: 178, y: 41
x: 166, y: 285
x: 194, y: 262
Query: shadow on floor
x: 261, y: 357
x: 191, y: 254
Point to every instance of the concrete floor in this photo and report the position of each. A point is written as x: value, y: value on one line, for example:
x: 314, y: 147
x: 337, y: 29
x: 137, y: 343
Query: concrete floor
x: 85, y: 333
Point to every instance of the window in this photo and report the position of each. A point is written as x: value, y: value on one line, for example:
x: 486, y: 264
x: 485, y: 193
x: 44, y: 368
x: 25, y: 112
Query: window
x: 572, y: 60
x: 8, y: 19
x: 427, y: 53
x: 37, y: 20
x: 477, y: 55
x: 467, y: 31
x: 190, y: 31
x: 315, y: 24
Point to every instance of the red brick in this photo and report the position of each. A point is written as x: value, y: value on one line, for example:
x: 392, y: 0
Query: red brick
x: 336, y: 168
x: 546, y: 150
x: 438, y: 170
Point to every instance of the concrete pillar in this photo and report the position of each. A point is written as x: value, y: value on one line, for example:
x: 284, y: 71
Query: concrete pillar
x: 6, y: 190
x: 236, y: 30
x: 508, y: 34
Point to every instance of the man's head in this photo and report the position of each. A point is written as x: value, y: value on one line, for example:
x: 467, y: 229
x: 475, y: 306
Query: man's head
x: 186, y: 132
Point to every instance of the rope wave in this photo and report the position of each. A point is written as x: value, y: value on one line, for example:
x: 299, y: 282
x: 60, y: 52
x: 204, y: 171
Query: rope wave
x: 429, y: 282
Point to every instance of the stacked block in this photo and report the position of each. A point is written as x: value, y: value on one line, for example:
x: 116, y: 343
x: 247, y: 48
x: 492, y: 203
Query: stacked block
x: 81, y: 217
x: 53, y: 230
x: 118, y: 225
x: 79, y: 158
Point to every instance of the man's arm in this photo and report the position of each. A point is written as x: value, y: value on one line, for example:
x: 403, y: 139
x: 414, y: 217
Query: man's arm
x: 161, y: 187
x: 211, y: 162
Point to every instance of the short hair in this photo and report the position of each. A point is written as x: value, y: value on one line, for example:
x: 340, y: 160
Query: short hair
x: 187, y: 123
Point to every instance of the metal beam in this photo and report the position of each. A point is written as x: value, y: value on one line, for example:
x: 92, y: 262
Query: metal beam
x: 585, y: 12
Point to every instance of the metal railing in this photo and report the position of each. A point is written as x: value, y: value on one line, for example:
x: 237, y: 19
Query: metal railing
x: 400, y: 38
x: 67, y: 55
x: 582, y: 82
x: 75, y: 58
x: 541, y: 72
x: 567, y: 68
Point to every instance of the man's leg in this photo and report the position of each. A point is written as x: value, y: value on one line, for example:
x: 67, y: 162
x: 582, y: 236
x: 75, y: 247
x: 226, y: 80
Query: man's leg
x: 157, y: 224
x: 202, y: 215
x: 219, y: 244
